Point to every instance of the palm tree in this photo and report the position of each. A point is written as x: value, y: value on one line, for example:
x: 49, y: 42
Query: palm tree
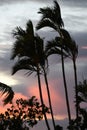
x: 71, y: 49
x: 8, y: 92
x: 28, y: 49
x: 51, y: 17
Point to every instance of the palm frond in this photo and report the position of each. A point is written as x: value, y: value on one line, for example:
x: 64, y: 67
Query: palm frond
x: 74, y: 49
x: 57, y: 14
x: 17, y: 49
x: 52, y: 44
x: 7, y: 91
x: 52, y: 51
x: 66, y: 35
x: 46, y: 23
x: 46, y: 12
x: 30, y: 30
x: 50, y: 16
x: 69, y: 44
x: 29, y: 73
x: 23, y: 63
x: 55, y: 45
x: 18, y: 32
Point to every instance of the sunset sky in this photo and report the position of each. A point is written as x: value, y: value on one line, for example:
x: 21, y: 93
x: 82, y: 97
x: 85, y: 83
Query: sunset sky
x: 16, y: 13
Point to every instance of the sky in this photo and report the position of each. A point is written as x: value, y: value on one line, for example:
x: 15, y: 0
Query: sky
x: 16, y: 13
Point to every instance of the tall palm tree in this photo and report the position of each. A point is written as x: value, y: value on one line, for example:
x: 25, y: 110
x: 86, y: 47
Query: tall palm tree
x: 71, y: 49
x: 51, y: 17
x: 8, y: 92
x: 28, y: 49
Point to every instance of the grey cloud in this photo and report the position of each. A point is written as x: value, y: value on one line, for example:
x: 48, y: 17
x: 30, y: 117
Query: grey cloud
x: 81, y: 40
x: 5, y: 62
x: 75, y: 3
x: 2, y: 2
x: 55, y: 69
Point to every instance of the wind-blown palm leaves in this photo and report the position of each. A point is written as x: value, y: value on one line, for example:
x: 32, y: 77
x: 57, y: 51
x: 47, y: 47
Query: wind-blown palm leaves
x: 28, y: 48
x: 54, y: 47
x: 72, y: 50
x: 7, y: 91
x: 69, y: 45
x: 51, y: 17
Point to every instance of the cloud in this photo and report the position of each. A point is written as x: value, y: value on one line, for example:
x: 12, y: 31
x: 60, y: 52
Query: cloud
x: 75, y: 22
x: 57, y: 97
x: 75, y: 3
x: 84, y: 47
x: 9, y: 2
x: 42, y: 125
x: 16, y: 96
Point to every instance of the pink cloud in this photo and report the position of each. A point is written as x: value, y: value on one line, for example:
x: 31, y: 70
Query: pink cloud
x: 84, y: 47
x: 16, y: 96
x: 19, y: 95
x: 57, y: 98
x: 58, y: 102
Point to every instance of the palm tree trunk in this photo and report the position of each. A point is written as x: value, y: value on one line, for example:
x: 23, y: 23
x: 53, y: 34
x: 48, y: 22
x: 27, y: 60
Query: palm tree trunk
x: 76, y: 90
x: 65, y: 87
x: 42, y: 102
x: 49, y: 98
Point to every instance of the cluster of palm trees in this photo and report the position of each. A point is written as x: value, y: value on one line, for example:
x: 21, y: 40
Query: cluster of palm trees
x: 32, y: 55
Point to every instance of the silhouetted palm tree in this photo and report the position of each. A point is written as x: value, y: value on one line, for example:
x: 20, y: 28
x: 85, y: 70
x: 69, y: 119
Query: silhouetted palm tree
x: 28, y: 48
x: 51, y: 17
x: 71, y: 49
x: 8, y: 92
